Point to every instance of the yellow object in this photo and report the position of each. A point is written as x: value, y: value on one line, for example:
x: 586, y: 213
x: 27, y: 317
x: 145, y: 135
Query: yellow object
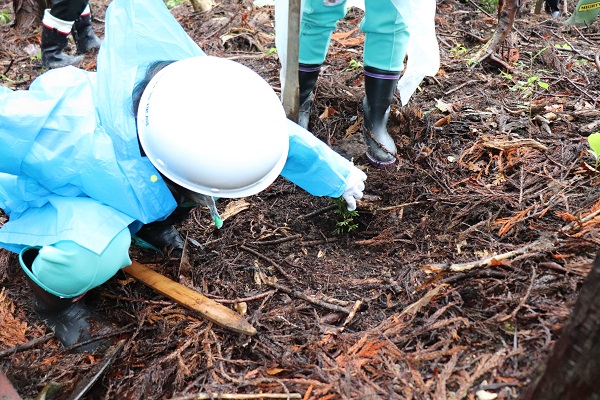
x: 585, y: 12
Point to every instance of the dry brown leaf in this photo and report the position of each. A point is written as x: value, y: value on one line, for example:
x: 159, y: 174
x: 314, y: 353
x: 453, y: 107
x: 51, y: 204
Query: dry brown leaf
x: 442, y: 121
x: 13, y: 330
x: 344, y: 38
x: 565, y: 216
x: 275, y: 371
x: 498, y: 263
x: 510, y: 222
x: 361, y: 353
x: 355, y: 127
x: 328, y: 112
x: 595, y: 207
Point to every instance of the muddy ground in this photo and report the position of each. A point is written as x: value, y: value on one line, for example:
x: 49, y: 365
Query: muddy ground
x: 403, y: 300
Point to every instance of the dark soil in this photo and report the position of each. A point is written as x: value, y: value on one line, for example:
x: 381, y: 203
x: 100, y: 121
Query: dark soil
x: 489, y: 164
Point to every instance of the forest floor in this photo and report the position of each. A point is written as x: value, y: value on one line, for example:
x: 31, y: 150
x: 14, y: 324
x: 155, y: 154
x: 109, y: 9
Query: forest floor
x: 456, y: 276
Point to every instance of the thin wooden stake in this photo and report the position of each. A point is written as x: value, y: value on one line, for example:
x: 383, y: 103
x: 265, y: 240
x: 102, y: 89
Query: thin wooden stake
x: 291, y: 91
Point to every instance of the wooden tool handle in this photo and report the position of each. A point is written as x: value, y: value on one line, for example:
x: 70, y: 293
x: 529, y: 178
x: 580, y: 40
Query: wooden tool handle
x: 187, y: 297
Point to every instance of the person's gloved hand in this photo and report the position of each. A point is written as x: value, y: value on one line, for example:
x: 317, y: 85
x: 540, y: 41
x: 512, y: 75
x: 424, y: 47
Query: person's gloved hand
x: 355, y: 184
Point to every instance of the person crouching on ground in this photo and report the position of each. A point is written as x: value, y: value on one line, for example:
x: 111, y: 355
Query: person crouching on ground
x: 86, y: 175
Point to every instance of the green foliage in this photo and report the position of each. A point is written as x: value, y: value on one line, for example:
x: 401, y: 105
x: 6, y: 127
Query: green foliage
x: 4, y: 17
x: 458, y: 50
x: 532, y: 81
x: 538, y: 53
x: 490, y: 6
x: 594, y: 150
x: 525, y: 78
x: 564, y: 46
x: 509, y: 327
x: 346, y: 222
x: 172, y: 3
x: 5, y: 78
x: 353, y: 64
x: 271, y: 51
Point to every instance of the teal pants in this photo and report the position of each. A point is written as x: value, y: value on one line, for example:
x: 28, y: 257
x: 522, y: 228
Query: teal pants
x: 66, y: 269
x: 386, y: 34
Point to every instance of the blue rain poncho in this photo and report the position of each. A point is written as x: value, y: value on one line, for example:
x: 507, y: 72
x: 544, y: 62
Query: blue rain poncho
x: 71, y: 167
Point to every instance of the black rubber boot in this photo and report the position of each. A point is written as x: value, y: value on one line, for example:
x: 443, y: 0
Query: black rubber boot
x: 380, y: 87
x: 162, y: 235
x: 84, y: 35
x: 70, y: 319
x: 307, y: 78
x: 53, y: 43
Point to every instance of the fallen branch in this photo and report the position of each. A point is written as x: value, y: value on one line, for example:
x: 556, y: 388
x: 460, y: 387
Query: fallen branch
x: 303, y: 296
x: 414, y: 203
x: 355, y: 308
x: 26, y: 346
x: 320, y: 211
x: 394, y: 323
x: 317, y: 242
x: 242, y: 300
x: 280, y: 240
x: 279, y: 268
x: 461, y: 86
x: 502, y: 144
x: 542, y: 244
x: 310, y: 299
x: 579, y: 222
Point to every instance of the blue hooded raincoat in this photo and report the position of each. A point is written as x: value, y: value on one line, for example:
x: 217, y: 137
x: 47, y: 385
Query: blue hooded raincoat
x: 70, y: 164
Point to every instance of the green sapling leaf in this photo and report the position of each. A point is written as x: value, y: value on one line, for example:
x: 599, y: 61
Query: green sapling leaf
x: 594, y: 141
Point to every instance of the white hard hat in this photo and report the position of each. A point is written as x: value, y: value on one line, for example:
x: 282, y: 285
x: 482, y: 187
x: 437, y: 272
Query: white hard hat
x: 213, y: 126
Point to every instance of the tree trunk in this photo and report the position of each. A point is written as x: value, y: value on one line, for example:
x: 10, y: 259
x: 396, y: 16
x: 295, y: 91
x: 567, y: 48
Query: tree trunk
x: 28, y: 14
x: 571, y: 372
x: 506, y: 18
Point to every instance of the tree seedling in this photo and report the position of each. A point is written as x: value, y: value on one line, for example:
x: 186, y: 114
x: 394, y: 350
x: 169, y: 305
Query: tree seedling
x: 594, y: 150
x: 172, y: 3
x: 353, y: 64
x: 346, y: 222
x: 4, y: 17
x: 458, y: 50
x: 271, y: 51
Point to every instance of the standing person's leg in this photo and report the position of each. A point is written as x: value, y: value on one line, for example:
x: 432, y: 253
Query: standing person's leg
x: 83, y: 32
x: 57, y: 24
x: 552, y: 8
x: 319, y: 20
x: 386, y: 37
x: 59, y: 276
